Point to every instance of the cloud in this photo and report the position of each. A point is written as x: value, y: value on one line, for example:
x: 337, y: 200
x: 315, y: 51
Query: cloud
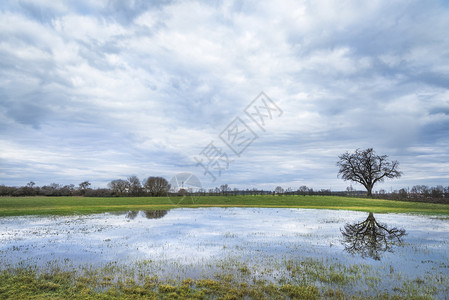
x: 107, y: 90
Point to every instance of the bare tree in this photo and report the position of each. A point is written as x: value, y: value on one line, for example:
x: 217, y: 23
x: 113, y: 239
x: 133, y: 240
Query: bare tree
x: 225, y: 189
x: 437, y: 192
x: 83, y: 186
x: 31, y: 184
x: 279, y: 190
x: 118, y: 187
x: 157, y: 186
x: 303, y: 190
x: 134, y: 186
x: 367, y: 168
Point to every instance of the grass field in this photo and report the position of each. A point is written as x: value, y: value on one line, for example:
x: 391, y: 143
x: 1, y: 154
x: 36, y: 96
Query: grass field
x: 18, y: 206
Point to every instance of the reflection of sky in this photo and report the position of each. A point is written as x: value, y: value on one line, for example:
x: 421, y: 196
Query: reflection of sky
x: 195, y: 236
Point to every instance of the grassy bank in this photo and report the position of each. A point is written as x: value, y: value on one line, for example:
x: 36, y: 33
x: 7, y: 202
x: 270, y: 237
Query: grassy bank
x: 18, y: 206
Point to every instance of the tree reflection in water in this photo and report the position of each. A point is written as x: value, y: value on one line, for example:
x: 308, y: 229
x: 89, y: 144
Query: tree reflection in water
x: 132, y: 214
x: 149, y: 214
x: 154, y: 214
x: 370, y: 238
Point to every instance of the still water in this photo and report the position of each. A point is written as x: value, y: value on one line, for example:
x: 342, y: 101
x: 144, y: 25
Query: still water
x: 411, y: 245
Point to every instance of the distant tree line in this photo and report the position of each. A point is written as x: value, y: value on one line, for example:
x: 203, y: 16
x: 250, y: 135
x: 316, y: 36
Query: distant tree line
x: 420, y: 193
x: 54, y: 189
x: 159, y: 186
x: 132, y: 186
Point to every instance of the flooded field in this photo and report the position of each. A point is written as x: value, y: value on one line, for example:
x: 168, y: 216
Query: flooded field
x: 356, y: 252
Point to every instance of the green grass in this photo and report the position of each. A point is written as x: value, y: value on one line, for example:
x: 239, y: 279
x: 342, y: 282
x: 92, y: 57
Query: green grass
x: 27, y: 284
x: 19, y: 206
x: 304, y: 279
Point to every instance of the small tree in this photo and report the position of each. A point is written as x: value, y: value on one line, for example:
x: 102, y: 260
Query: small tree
x: 83, y: 186
x: 119, y: 187
x: 437, y: 192
x: 303, y: 189
x: 31, y: 184
x: 157, y: 186
x: 224, y: 189
x: 278, y: 190
x: 134, y: 186
x: 367, y: 168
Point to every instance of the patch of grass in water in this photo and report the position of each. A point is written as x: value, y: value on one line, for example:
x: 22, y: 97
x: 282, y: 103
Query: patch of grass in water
x: 28, y: 283
x: 302, y: 279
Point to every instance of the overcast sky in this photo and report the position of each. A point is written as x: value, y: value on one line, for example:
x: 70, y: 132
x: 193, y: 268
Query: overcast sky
x: 100, y: 90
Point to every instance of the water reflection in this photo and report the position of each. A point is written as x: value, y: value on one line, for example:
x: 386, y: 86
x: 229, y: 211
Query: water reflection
x: 370, y: 238
x: 149, y: 214
x: 132, y: 214
x: 154, y: 214
x: 198, y: 242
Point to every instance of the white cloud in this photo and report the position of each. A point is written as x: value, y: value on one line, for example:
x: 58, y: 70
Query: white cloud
x: 115, y: 89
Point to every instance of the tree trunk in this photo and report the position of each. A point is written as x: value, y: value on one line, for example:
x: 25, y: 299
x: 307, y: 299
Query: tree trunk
x: 369, y: 189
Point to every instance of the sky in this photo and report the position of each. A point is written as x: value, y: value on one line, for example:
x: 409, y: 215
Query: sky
x: 253, y: 94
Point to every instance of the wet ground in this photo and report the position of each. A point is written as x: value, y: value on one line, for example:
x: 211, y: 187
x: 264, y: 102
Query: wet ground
x: 193, y: 242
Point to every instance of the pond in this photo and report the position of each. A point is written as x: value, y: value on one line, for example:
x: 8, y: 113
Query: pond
x: 386, y: 252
